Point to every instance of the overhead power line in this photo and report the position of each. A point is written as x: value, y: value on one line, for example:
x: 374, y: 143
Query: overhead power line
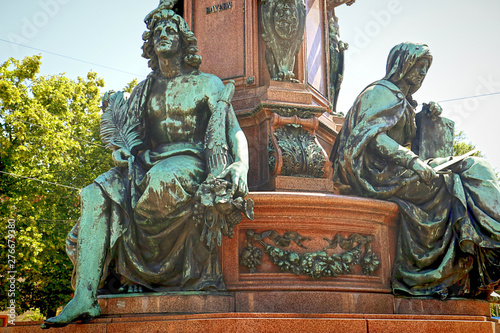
x: 142, y: 76
x: 476, y: 96
x: 52, y: 221
x: 59, y: 222
x: 40, y: 180
x: 71, y: 58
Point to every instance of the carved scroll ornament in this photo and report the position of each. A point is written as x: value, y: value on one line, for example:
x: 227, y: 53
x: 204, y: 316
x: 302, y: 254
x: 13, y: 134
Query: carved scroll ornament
x: 294, y: 149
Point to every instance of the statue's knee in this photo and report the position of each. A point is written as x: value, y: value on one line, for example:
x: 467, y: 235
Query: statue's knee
x: 94, y: 193
x: 473, y: 161
x: 161, y: 178
x: 90, y: 190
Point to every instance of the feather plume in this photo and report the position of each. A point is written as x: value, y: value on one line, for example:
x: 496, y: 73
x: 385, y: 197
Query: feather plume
x: 118, y: 130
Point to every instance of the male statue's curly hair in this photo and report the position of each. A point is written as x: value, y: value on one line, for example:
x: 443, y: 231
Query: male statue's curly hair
x: 188, y: 40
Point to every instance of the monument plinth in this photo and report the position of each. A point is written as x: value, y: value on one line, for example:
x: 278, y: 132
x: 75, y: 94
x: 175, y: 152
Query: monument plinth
x: 312, y: 242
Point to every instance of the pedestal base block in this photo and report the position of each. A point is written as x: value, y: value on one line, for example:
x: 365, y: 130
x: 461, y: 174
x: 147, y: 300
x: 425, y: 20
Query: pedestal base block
x: 448, y: 307
x: 295, y: 236
x: 182, y: 302
x: 314, y: 302
x: 288, y: 92
x: 429, y: 324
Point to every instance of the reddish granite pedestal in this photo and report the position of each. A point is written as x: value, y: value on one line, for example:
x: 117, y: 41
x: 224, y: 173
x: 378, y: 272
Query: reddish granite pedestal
x: 173, y: 303
x: 320, y: 218
x: 269, y: 300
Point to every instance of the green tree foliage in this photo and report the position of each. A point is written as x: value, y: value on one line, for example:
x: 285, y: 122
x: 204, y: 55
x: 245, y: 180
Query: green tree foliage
x: 461, y: 145
x: 130, y: 86
x: 49, y: 131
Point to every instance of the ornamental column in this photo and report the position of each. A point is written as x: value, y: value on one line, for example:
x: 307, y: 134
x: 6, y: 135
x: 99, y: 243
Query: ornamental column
x: 287, y: 62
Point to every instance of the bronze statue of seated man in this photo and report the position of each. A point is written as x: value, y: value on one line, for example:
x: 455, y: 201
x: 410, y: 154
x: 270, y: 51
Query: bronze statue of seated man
x: 158, y: 215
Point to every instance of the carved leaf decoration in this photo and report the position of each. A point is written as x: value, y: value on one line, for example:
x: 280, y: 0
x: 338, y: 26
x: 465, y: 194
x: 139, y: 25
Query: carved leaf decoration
x: 303, y: 113
x: 301, y: 155
x: 117, y: 129
x: 313, y: 264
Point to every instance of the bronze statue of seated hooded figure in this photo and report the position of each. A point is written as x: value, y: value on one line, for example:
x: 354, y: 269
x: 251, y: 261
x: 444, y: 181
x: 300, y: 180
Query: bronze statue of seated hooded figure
x: 449, y: 232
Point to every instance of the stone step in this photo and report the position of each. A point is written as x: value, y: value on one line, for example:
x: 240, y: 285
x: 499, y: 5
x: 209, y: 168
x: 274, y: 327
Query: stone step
x: 275, y: 322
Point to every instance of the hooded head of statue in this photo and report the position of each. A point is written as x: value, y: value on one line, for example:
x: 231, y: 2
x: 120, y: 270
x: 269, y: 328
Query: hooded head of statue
x: 402, y: 59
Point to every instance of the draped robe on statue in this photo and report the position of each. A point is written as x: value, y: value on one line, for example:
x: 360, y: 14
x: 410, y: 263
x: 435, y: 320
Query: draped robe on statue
x: 154, y: 240
x: 449, y: 232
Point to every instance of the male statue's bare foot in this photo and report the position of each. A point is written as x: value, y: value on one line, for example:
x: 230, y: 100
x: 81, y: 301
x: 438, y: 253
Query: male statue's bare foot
x: 73, y: 311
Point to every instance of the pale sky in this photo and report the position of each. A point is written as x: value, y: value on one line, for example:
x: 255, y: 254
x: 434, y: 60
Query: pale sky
x: 462, y: 35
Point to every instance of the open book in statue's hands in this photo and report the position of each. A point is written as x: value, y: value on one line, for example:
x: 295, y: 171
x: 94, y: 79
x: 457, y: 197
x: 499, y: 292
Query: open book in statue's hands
x: 439, y: 169
x: 454, y: 160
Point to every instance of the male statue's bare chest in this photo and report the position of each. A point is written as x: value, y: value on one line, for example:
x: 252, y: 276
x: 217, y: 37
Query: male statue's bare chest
x: 176, y: 109
x: 177, y: 96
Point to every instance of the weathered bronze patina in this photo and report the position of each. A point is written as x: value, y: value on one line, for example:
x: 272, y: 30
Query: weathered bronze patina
x: 181, y: 175
x: 434, y: 137
x: 336, y: 53
x: 449, y: 232
x: 283, y: 23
